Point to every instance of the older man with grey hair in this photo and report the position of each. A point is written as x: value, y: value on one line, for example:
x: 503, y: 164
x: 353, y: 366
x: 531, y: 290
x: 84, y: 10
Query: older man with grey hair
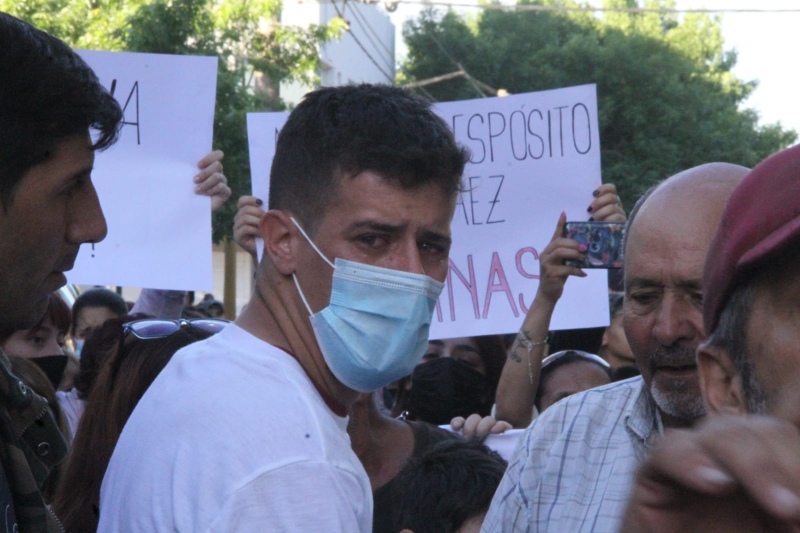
x: 736, y: 472
x: 574, y: 467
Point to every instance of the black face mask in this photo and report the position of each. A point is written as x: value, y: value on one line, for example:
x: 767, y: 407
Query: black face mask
x: 445, y: 388
x: 53, y: 366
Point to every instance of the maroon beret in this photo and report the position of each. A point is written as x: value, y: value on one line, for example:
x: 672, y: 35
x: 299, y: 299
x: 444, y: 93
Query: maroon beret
x: 760, y: 220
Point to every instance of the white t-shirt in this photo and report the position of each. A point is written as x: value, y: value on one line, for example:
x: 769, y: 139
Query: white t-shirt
x: 233, y: 436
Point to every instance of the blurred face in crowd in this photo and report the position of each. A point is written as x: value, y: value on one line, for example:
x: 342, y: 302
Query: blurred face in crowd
x: 43, y: 340
x: 91, y: 318
x: 54, y: 209
x: 462, y: 349
x: 615, y: 348
x: 664, y: 258
x: 569, y: 379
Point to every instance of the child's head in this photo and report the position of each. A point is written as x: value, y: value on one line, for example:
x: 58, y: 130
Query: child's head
x: 448, y: 488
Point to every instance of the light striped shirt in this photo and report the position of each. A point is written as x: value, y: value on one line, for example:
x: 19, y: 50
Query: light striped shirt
x: 573, y: 468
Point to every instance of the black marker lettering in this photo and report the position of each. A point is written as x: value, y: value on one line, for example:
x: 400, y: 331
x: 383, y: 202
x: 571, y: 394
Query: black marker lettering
x: 492, y: 134
x: 541, y: 141
x: 473, y: 202
x: 495, y: 200
x: 469, y: 135
x: 588, y: 129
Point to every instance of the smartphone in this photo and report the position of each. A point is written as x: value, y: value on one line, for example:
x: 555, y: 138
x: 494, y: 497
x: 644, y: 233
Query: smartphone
x: 603, y: 242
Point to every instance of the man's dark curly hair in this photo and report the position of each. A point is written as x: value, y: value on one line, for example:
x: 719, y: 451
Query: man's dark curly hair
x: 338, y: 132
x: 47, y: 93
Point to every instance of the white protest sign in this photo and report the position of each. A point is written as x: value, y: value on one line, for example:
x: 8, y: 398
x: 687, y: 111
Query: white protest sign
x: 262, y: 135
x: 159, y: 231
x: 533, y: 156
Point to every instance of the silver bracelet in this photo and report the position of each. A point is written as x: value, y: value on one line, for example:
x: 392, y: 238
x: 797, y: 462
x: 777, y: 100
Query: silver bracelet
x: 529, y: 345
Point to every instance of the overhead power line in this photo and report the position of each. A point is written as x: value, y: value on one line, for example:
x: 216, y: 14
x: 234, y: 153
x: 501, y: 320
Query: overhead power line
x: 435, y: 79
x: 389, y: 78
x: 367, y: 27
x: 532, y: 7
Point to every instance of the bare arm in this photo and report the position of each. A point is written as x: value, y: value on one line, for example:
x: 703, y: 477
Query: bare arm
x: 520, y: 378
x: 519, y: 381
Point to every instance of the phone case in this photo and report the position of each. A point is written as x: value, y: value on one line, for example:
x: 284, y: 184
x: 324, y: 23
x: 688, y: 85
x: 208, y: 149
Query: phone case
x: 603, y: 242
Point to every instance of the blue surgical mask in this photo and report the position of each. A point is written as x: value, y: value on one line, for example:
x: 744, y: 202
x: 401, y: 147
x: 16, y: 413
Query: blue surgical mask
x: 375, y: 329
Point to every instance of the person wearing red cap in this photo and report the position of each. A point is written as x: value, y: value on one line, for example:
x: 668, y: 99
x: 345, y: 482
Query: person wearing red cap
x: 749, y: 449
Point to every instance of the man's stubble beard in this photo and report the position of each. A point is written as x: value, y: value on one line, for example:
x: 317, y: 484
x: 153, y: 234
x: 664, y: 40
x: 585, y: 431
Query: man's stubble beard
x: 680, y: 400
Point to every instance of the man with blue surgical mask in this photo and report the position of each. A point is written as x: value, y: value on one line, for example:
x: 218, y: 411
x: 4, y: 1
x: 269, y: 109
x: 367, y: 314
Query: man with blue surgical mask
x: 246, y: 431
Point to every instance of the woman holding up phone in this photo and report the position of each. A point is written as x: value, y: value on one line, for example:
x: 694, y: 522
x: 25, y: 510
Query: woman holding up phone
x: 519, y: 381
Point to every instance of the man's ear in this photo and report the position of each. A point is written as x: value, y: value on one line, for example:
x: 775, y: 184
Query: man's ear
x: 720, y: 382
x: 275, y: 227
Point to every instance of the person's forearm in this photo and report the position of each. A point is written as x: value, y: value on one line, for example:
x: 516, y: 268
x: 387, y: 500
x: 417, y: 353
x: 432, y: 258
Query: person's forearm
x: 519, y: 381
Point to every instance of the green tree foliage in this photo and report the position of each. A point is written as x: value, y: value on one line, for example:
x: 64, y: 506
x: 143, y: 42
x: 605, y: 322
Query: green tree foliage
x: 667, y: 98
x: 255, y: 53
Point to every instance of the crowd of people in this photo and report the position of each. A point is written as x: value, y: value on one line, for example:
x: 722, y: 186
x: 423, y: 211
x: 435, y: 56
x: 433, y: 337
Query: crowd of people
x: 325, y: 406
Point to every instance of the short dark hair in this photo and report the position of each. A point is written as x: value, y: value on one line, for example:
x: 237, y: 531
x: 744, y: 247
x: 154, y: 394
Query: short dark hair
x: 47, y: 93
x: 98, y: 297
x: 338, y: 132
x: 440, y: 489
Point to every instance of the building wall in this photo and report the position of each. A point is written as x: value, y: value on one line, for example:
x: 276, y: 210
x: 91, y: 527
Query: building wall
x: 364, y: 54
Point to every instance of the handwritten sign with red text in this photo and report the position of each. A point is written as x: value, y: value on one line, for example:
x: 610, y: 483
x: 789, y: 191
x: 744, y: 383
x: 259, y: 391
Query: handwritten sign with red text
x: 533, y: 156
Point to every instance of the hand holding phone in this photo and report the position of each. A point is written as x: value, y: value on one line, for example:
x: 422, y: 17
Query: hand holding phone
x: 603, y: 242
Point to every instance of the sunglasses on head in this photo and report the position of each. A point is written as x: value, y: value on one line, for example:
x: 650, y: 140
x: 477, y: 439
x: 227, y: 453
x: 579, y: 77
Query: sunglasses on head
x: 586, y: 356
x: 156, y: 328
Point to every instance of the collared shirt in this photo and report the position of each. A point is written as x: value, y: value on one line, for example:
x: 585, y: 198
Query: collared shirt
x: 573, y: 468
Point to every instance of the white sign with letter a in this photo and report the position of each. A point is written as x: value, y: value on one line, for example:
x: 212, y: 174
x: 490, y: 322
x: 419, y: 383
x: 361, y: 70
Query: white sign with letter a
x: 159, y: 230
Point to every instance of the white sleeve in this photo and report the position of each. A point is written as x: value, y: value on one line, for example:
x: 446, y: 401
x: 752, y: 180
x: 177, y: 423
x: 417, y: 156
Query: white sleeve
x: 299, y: 497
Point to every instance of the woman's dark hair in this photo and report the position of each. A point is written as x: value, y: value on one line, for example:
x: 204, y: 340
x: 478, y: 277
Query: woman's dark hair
x: 585, y: 339
x: 98, y: 298
x: 493, y: 353
x: 123, y: 379
x: 57, y: 311
x: 97, y: 347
